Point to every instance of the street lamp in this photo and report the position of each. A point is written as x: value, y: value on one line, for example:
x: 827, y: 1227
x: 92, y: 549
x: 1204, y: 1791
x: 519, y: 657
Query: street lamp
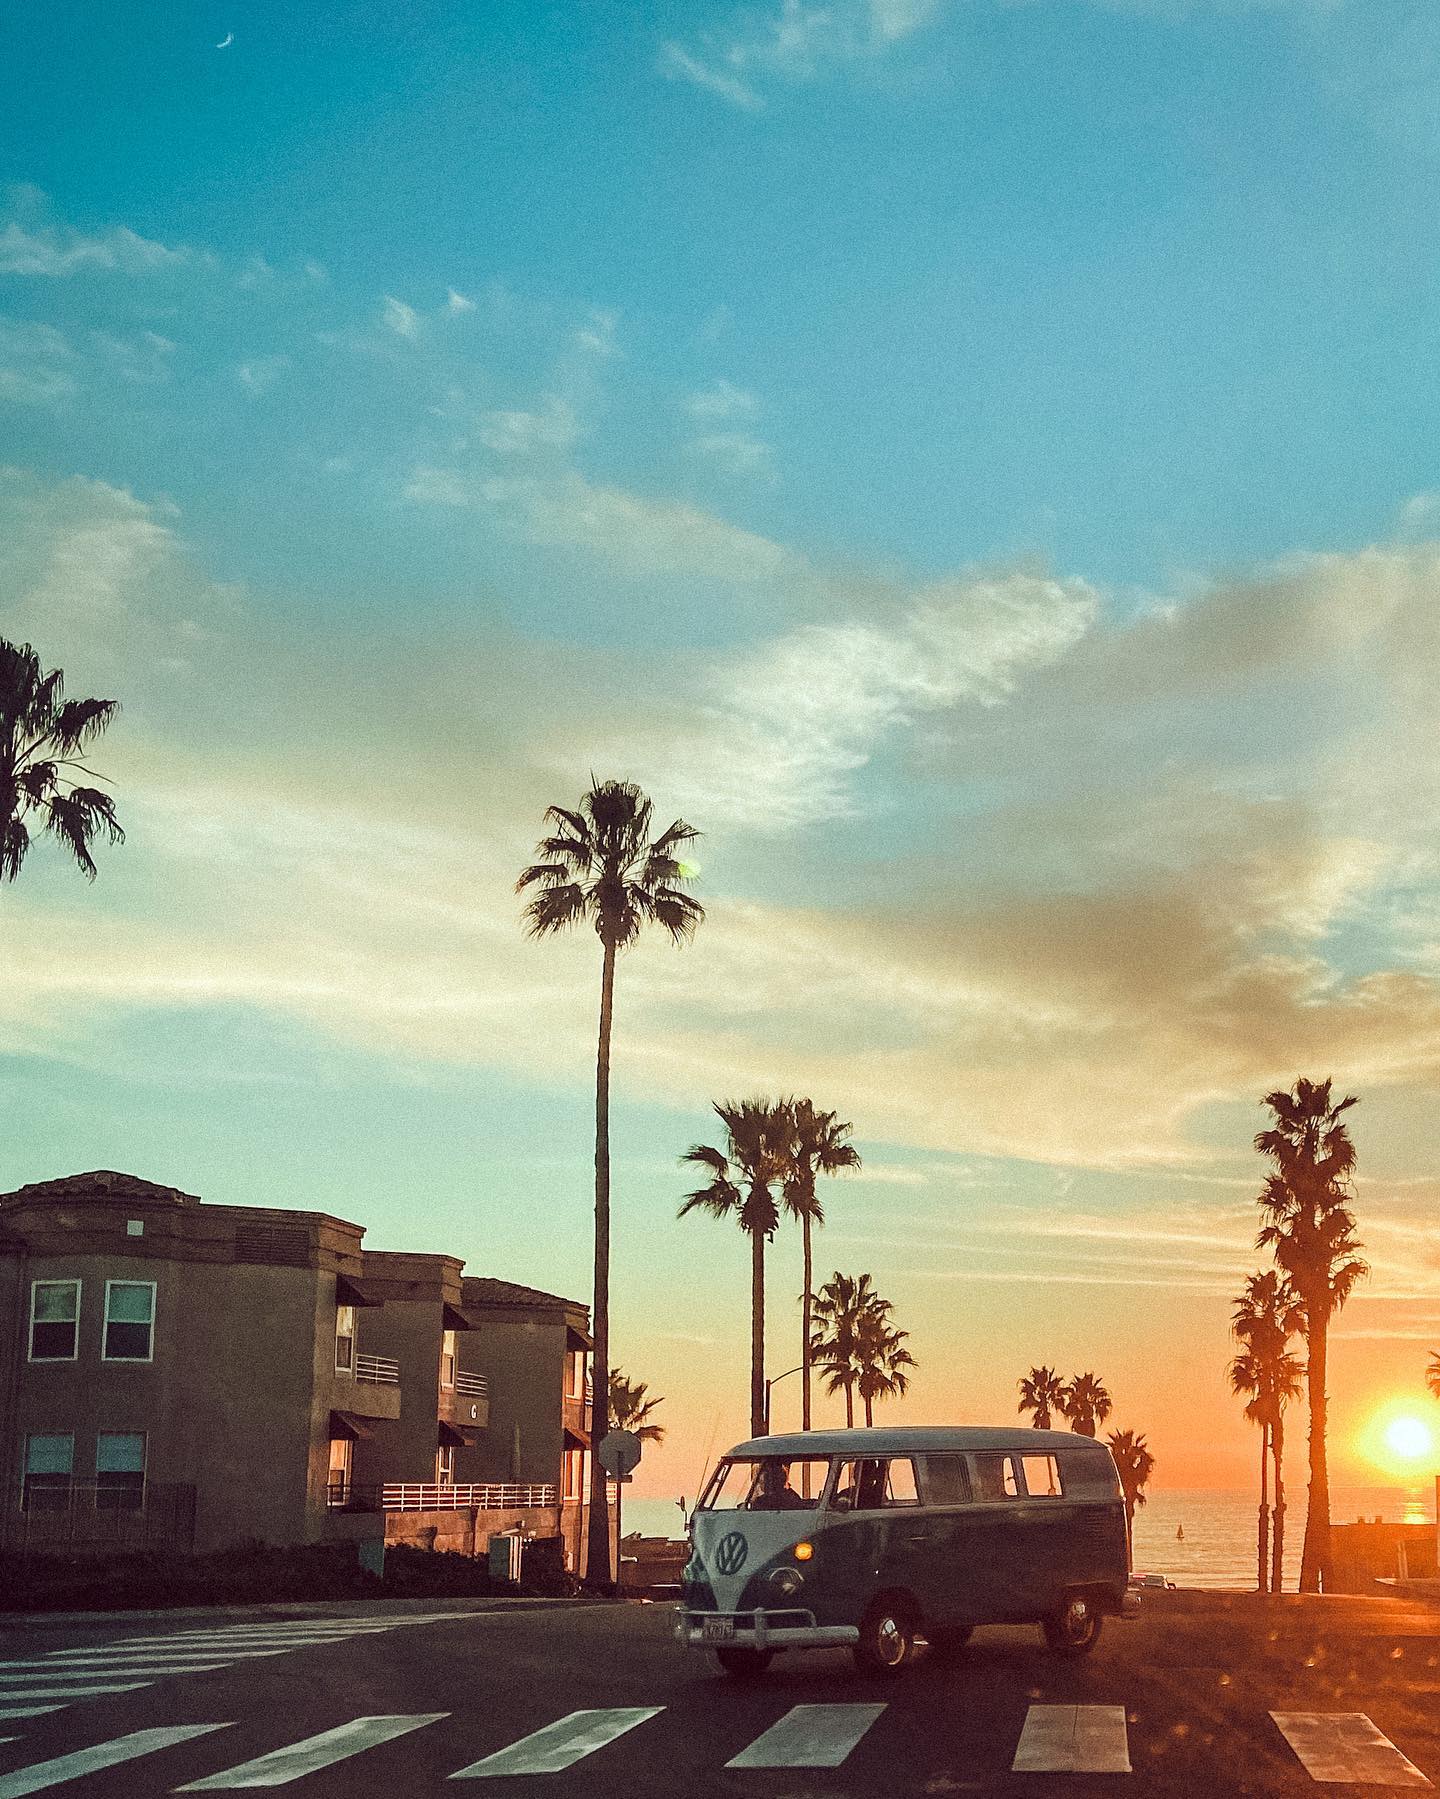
x: 775, y: 1383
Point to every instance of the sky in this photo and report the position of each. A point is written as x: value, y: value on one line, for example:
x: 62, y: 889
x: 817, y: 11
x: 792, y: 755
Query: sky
x: 974, y: 459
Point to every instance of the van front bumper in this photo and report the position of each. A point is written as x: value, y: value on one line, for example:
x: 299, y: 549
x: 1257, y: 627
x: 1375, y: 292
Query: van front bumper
x: 791, y: 1628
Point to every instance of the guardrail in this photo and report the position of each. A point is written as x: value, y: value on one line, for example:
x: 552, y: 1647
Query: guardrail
x: 377, y: 1370
x: 491, y: 1496
x: 474, y: 1385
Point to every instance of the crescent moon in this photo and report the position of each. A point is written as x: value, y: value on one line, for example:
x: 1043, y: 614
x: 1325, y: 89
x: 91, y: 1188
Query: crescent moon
x: 228, y: 41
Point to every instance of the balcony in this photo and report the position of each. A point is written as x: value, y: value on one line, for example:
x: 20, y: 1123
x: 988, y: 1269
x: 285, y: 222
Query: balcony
x: 467, y: 1403
x: 371, y: 1390
x: 425, y: 1496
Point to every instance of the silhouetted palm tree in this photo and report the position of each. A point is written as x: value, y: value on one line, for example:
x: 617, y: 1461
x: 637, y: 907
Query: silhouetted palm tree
x: 600, y: 866
x: 1042, y: 1392
x: 743, y: 1177
x: 1432, y: 1373
x: 1087, y: 1404
x: 839, y: 1310
x: 1264, y: 1319
x: 1134, y: 1464
x: 1310, y: 1229
x: 818, y: 1145
x: 631, y: 1407
x: 43, y: 737
x: 881, y: 1359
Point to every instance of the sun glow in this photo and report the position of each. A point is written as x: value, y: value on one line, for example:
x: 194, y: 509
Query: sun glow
x: 1399, y: 1441
x: 1409, y: 1438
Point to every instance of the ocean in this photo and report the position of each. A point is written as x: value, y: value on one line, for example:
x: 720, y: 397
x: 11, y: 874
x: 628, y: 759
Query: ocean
x: 1217, y: 1547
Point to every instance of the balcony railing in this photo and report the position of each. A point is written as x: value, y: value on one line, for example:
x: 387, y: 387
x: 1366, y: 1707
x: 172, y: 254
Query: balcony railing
x: 475, y: 1386
x: 423, y: 1496
x: 377, y: 1370
x: 95, y: 1515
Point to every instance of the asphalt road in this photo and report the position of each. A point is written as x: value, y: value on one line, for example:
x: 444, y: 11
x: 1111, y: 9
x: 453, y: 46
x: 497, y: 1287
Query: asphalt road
x: 402, y: 1704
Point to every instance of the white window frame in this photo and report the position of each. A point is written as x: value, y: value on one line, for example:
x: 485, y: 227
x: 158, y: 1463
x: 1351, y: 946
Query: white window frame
x: 63, y: 1281
x: 448, y: 1357
x: 138, y: 1361
x: 445, y: 1465
x: 342, y: 1337
x: 26, y: 1474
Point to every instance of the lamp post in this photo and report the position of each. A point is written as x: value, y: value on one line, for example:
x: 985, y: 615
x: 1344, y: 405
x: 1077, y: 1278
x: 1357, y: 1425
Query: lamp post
x: 775, y: 1383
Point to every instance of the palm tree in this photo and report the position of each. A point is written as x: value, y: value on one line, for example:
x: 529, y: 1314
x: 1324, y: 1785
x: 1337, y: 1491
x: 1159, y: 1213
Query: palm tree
x: 1086, y: 1403
x: 600, y: 866
x: 1264, y: 1319
x: 631, y: 1407
x: 1310, y: 1229
x: 1134, y: 1464
x: 1042, y: 1392
x: 881, y: 1359
x: 837, y: 1315
x: 817, y: 1146
x: 43, y: 737
x: 742, y: 1177
x: 1432, y: 1373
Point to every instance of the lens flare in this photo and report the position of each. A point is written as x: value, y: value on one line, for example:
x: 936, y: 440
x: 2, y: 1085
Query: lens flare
x: 1409, y: 1438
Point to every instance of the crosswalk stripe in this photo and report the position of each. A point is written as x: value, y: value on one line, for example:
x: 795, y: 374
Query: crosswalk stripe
x: 284, y: 1765
x: 560, y: 1745
x: 111, y: 1658
x: 218, y: 1637
x: 29, y: 1678
x: 28, y: 1711
x: 809, y: 1736
x: 40, y: 1775
x: 1073, y: 1739
x: 1346, y: 1746
x: 48, y: 1690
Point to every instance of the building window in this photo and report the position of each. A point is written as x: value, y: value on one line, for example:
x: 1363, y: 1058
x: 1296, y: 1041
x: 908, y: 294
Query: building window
x: 447, y: 1359
x: 119, y: 1471
x: 54, y: 1320
x: 574, y: 1474
x: 445, y: 1465
x: 575, y: 1374
x: 49, y: 1461
x: 129, y: 1321
x: 342, y: 1455
x: 344, y: 1339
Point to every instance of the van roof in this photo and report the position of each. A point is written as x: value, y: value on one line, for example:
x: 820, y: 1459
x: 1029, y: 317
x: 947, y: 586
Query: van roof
x: 926, y: 1439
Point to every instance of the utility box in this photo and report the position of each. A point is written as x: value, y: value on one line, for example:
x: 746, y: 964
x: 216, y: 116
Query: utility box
x: 507, y: 1554
x: 370, y: 1551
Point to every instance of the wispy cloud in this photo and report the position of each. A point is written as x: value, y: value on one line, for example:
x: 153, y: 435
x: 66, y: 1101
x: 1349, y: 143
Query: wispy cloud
x: 396, y: 316
x: 37, y: 364
x: 598, y: 333
x: 51, y: 250
x: 458, y: 302
x: 553, y: 426
x: 260, y: 373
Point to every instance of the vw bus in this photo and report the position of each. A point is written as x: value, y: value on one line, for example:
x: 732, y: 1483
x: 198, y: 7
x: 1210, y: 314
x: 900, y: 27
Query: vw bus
x: 878, y: 1540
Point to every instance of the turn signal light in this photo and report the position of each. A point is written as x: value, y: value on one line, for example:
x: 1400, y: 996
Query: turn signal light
x: 803, y: 1551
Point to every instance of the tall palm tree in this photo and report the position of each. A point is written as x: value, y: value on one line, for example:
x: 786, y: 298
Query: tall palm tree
x: 837, y: 1315
x: 1042, y: 1392
x: 1432, y: 1373
x: 742, y: 1180
x: 1087, y: 1404
x: 631, y: 1407
x: 818, y: 1145
x: 1310, y: 1229
x: 1264, y: 1318
x: 43, y: 738
x: 881, y: 1359
x: 600, y: 866
x: 1134, y: 1464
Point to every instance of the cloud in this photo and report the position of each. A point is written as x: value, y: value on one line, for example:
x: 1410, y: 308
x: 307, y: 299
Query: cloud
x: 457, y: 302
x: 597, y: 334
x: 261, y: 373
x: 677, y: 62
x: 57, y: 251
x: 553, y: 427
x: 737, y: 452
x: 721, y: 400
x: 37, y: 364
x: 396, y: 316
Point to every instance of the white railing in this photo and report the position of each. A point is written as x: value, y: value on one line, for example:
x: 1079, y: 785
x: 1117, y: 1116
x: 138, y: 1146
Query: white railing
x: 475, y: 1385
x: 377, y: 1370
x: 414, y: 1496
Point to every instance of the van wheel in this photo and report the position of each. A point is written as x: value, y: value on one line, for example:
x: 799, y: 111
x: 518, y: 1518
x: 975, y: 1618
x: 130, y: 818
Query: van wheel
x: 1075, y: 1628
x: 946, y: 1641
x: 744, y: 1664
x: 887, y: 1638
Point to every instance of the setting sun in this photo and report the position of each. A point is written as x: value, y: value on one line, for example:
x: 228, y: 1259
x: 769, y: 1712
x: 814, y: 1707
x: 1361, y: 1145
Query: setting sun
x: 1409, y: 1438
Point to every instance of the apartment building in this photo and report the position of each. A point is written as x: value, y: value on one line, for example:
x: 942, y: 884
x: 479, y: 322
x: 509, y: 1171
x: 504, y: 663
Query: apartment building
x: 191, y: 1374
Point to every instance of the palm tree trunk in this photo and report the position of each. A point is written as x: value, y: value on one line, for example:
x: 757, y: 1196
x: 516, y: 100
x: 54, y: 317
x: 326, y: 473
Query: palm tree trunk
x: 759, y: 1424
x: 1315, y: 1554
x: 869, y: 1410
x: 1277, y: 1540
x: 849, y: 1406
x: 598, y: 1539
x: 1262, y: 1529
x: 805, y: 1332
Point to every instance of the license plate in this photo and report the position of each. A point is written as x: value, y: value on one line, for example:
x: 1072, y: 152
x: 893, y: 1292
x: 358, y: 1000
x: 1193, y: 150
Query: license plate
x: 717, y: 1630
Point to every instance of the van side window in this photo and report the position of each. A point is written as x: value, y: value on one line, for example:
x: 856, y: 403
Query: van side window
x: 1042, y: 1476
x: 995, y: 1477
x: 946, y: 1480
x: 873, y: 1484
x: 1090, y: 1476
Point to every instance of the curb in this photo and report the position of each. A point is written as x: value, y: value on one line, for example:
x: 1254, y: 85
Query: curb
x: 439, y: 1608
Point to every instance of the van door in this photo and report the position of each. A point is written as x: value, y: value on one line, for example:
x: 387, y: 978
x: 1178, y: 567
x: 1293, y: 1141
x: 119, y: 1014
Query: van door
x: 875, y: 1531
x: 1001, y: 1574
x: 952, y: 1536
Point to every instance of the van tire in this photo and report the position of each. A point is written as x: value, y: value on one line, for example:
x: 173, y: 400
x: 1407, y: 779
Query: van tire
x: 1075, y: 1628
x: 744, y: 1664
x: 887, y: 1638
x: 948, y: 1640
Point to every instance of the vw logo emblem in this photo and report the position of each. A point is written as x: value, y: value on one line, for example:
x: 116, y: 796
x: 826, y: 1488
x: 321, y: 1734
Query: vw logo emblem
x: 731, y: 1552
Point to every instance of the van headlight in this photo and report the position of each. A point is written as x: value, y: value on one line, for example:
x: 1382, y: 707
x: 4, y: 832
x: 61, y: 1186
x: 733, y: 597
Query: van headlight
x: 786, y: 1582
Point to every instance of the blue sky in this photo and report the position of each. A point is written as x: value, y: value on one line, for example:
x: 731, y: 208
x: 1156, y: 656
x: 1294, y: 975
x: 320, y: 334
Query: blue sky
x: 975, y: 458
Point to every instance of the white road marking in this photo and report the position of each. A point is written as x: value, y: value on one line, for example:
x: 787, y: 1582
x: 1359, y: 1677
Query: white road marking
x: 44, y: 1689
x: 284, y: 1765
x: 80, y: 1658
x: 40, y: 1775
x: 28, y: 1711
x: 1073, y: 1739
x: 1346, y: 1746
x: 70, y: 1673
x: 809, y: 1736
x: 558, y: 1746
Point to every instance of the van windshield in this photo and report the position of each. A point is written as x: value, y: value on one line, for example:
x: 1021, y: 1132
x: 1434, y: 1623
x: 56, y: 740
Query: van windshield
x: 768, y: 1483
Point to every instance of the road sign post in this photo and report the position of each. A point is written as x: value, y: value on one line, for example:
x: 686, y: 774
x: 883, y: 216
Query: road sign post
x: 619, y: 1455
